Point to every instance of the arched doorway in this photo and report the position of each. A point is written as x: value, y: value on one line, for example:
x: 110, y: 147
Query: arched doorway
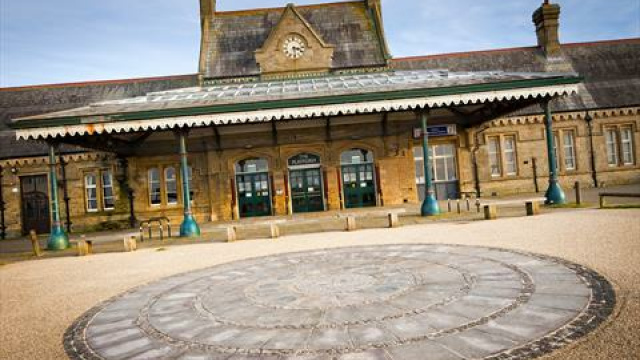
x: 253, y: 187
x: 307, y: 184
x: 358, y: 178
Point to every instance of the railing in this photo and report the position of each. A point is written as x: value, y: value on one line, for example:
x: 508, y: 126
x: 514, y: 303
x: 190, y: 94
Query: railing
x: 159, y: 222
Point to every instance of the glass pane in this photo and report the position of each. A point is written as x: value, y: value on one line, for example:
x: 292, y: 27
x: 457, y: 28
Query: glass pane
x: 627, y: 146
x: 252, y: 166
x: 356, y: 156
x: 612, y: 147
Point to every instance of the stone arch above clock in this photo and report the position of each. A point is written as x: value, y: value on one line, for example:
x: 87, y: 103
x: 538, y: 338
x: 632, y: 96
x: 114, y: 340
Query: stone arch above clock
x: 293, y: 46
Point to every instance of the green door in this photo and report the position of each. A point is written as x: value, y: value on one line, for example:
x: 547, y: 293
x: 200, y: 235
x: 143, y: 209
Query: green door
x: 306, y: 190
x: 359, y: 185
x: 254, y: 198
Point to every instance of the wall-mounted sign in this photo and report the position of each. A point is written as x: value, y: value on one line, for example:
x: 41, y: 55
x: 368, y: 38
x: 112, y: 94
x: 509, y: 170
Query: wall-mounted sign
x: 436, y: 130
x: 304, y: 160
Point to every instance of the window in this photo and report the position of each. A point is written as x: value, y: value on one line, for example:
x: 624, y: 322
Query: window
x: 612, y: 146
x: 569, y: 153
x: 155, y: 197
x: 91, y: 189
x: 494, y: 156
x: 108, y: 200
x: 510, y: 161
x: 171, y: 185
x: 619, y: 141
x: 626, y: 136
x: 99, y: 183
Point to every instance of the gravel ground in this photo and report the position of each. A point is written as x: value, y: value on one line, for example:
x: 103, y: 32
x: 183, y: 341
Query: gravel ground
x: 40, y: 299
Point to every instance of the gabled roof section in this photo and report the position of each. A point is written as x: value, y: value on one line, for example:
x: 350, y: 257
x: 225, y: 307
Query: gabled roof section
x: 290, y: 10
x: 230, y: 39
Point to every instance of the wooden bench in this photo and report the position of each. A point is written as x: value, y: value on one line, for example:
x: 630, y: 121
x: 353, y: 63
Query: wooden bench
x: 604, y: 195
x: 532, y: 207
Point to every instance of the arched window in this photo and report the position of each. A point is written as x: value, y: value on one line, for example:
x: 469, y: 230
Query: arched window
x: 155, y: 197
x: 356, y: 156
x: 171, y: 185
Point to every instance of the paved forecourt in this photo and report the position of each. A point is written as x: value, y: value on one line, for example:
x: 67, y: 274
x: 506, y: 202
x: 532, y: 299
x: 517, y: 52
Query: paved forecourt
x: 375, y: 302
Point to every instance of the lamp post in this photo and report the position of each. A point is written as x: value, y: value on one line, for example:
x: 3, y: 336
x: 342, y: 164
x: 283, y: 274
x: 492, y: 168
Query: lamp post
x: 594, y: 171
x: 430, y: 205
x: 58, y: 238
x: 189, y: 227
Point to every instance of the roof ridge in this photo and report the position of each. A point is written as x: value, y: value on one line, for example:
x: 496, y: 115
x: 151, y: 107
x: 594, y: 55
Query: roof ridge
x: 95, y: 82
x: 258, y: 10
x: 499, y: 50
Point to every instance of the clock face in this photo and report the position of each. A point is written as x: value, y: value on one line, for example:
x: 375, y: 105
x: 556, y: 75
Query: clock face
x: 294, y: 47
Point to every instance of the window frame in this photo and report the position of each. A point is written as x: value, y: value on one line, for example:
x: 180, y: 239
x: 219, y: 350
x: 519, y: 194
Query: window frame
x: 166, y: 183
x: 630, y: 142
x: 87, y: 187
x: 150, y: 183
x: 99, y: 187
x: 513, y: 151
x: 495, y: 156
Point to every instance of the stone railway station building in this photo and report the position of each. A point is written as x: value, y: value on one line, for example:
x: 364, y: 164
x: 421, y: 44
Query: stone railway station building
x: 303, y: 109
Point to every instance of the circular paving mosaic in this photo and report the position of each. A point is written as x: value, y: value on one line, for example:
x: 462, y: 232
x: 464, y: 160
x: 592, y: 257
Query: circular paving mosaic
x: 380, y: 302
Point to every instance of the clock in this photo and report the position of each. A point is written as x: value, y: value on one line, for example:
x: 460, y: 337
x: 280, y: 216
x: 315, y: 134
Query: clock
x: 294, y: 47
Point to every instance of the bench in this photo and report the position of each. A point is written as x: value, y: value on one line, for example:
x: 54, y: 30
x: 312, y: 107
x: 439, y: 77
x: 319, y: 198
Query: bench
x: 604, y: 195
x: 532, y: 207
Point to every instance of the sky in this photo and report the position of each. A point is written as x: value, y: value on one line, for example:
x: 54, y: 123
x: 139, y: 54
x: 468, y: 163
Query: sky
x: 44, y: 41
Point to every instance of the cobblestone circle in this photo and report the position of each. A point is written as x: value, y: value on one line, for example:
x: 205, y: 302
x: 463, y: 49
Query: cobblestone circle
x: 374, y: 302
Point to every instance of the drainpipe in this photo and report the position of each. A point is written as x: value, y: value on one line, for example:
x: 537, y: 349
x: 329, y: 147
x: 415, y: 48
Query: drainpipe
x: 65, y: 193
x: 594, y: 171
x: 3, y: 228
x: 474, y: 160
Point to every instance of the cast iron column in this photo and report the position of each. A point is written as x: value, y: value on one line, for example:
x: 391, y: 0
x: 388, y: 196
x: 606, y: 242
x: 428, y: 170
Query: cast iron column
x: 430, y: 205
x: 554, y: 194
x: 58, y: 239
x: 189, y: 227
x: 3, y: 228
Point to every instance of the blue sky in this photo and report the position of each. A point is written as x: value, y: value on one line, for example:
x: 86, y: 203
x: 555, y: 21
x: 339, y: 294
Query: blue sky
x: 44, y: 41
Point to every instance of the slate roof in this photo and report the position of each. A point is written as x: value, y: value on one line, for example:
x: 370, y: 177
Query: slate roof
x: 234, y: 36
x: 33, y: 100
x: 611, y: 70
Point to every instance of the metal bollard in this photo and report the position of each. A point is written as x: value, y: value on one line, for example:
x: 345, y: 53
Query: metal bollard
x: 578, y: 193
x: 458, y: 206
x: 161, y: 231
x: 468, y: 204
x: 478, y: 204
x: 35, y: 245
x: 449, y: 205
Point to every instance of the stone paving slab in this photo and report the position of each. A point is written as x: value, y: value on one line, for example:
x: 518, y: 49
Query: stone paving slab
x: 377, y: 302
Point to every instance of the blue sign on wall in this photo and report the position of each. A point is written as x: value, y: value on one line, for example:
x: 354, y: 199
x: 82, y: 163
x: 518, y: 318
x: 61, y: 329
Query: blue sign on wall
x: 437, y: 130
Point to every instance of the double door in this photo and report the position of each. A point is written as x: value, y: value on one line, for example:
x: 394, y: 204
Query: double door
x: 306, y: 190
x: 254, y: 196
x: 35, y: 204
x: 359, y: 185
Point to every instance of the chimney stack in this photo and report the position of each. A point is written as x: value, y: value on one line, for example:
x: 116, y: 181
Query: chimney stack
x: 207, y: 9
x: 547, y: 21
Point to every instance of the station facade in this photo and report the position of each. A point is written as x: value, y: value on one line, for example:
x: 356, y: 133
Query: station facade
x: 303, y: 109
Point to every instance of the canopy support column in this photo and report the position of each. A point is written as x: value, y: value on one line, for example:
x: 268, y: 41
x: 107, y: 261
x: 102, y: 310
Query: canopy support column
x: 554, y: 193
x: 58, y: 239
x: 189, y: 227
x: 430, y: 205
